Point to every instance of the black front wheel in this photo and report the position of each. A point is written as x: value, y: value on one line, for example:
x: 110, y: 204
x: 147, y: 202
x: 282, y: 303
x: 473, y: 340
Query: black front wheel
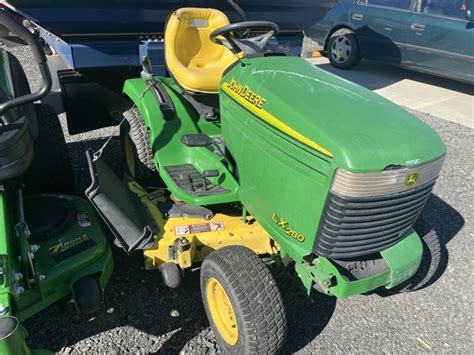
x: 87, y: 295
x: 427, y: 273
x: 343, y: 49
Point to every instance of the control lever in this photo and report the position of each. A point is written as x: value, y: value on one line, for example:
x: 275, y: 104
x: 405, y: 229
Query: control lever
x: 208, y: 173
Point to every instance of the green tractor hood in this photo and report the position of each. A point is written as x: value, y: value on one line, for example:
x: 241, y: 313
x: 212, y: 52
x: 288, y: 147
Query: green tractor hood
x: 348, y: 124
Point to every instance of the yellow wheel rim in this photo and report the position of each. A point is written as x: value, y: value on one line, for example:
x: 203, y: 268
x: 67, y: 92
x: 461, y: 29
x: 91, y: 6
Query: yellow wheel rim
x: 129, y: 155
x: 221, y: 311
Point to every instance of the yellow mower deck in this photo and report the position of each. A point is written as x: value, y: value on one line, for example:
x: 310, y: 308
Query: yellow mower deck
x: 185, y: 241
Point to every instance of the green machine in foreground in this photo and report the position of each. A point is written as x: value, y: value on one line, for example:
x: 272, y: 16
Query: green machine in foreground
x: 244, y: 152
x: 51, y: 243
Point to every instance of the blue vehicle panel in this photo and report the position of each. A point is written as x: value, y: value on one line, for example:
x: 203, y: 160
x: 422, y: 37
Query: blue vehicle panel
x: 149, y: 16
x: 90, y: 34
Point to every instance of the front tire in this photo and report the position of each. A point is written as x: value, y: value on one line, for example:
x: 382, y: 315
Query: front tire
x: 428, y: 270
x: 343, y: 49
x: 242, y: 302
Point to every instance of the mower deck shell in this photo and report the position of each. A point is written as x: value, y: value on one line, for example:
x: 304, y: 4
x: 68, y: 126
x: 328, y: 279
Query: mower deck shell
x: 62, y: 259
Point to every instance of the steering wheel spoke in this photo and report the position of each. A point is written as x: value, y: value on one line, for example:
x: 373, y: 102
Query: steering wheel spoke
x: 237, y: 36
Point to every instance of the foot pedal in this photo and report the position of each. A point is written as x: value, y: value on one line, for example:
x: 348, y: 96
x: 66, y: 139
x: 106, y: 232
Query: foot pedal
x: 187, y: 178
x: 196, y: 140
x: 185, y: 210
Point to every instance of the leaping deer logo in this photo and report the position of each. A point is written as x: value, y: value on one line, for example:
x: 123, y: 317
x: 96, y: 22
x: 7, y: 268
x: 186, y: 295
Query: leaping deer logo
x: 411, y: 179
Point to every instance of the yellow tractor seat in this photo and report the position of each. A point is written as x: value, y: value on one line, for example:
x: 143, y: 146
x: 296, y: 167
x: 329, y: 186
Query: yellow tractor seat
x: 193, y: 60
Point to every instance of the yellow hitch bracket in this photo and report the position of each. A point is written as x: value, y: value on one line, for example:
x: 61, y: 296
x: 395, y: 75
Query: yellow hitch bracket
x: 185, y: 255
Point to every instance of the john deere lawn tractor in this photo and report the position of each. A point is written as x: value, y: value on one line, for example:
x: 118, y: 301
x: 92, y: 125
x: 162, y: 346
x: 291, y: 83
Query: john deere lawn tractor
x: 244, y: 155
x: 51, y: 244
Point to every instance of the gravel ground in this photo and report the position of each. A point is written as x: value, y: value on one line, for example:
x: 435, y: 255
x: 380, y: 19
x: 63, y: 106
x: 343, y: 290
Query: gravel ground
x: 140, y: 315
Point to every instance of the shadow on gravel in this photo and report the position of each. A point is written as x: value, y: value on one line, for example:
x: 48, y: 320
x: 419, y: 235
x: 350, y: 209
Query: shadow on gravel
x: 135, y: 299
x: 437, y: 225
x: 307, y: 315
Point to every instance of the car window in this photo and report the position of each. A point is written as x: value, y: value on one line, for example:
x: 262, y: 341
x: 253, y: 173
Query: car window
x: 447, y: 8
x: 397, y: 4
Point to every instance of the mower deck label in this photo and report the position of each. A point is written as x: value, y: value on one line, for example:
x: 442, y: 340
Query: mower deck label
x: 67, y: 249
x: 83, y: 220
x: 199, y: 228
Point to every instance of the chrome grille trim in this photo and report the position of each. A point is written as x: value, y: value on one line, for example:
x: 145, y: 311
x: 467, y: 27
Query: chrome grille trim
x: 386, y: 182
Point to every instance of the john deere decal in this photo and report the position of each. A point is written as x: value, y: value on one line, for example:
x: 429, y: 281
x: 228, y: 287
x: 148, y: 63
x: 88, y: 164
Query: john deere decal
x: 245, y: 92
x: 411, y: 179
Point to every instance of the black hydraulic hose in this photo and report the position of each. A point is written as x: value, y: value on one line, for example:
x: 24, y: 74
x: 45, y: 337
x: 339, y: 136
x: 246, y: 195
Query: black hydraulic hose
x: 14, y: 26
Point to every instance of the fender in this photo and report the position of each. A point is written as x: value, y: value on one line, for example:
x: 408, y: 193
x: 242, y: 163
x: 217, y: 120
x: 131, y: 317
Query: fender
x: 144, y: 98
x: 175, y: 118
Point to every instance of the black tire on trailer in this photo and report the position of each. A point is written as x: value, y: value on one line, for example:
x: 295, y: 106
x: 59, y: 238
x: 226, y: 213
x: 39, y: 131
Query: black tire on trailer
x: 343, y: 49
x: 50, y: 170
x: 242, y: 301
x: 137, y: 154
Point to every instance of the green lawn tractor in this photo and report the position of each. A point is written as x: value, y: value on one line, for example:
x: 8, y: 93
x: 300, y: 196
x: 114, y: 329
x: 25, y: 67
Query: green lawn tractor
x: 51, y: 244
x: 244, y: 155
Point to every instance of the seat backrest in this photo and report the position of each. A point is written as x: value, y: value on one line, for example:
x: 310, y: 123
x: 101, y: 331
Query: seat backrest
x: 16, y: 137
x: 191, y: 57
x: 432, y: 7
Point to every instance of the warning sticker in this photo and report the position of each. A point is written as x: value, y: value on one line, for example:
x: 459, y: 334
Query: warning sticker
x: 199, y: 228
x: 83, y: 220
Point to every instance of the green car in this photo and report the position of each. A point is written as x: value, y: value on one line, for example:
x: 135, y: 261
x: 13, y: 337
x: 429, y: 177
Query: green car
x: 432, y: 36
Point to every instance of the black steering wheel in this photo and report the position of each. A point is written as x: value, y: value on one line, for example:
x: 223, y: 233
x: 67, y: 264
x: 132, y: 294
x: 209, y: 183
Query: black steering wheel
x: 236, y: 36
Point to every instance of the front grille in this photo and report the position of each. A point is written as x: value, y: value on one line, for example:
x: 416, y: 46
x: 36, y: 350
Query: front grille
x: 352, y: 227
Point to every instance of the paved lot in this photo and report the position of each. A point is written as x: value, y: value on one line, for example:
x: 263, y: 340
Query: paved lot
x: 444, y: 98
x: 140, y: 315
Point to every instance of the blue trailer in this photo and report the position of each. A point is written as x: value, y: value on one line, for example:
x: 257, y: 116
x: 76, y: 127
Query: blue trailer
x: 94, y: 46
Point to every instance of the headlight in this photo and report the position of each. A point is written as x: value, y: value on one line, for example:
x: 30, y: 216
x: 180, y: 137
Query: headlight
x: 386, y: 182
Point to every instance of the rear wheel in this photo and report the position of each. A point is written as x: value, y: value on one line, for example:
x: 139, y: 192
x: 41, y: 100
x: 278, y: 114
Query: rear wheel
x: 343, y: 49
x: 137, y: 154
x: 242, y: 302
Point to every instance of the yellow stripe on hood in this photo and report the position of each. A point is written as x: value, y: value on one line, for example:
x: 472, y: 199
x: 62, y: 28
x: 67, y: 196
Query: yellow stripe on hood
x: 273, y: 121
